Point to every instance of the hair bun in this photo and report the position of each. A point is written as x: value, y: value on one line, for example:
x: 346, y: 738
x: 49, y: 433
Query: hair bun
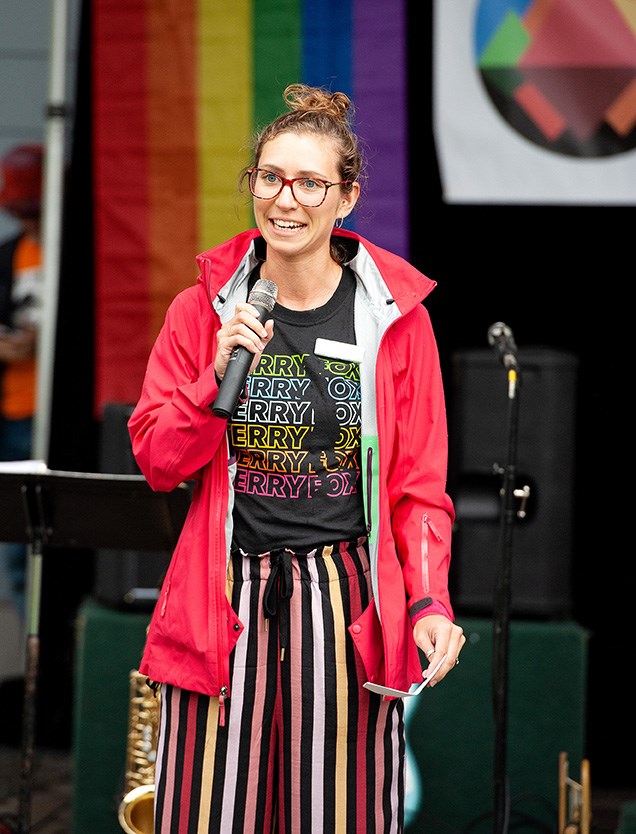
x: 302, y: 97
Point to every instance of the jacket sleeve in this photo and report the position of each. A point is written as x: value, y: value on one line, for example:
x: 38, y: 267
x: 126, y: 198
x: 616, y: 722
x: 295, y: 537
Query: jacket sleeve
x: 422, y: 512
x: 173, y: 429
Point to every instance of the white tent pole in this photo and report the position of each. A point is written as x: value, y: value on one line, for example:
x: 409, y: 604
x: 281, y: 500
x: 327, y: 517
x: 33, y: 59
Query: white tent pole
x: 51, y: 228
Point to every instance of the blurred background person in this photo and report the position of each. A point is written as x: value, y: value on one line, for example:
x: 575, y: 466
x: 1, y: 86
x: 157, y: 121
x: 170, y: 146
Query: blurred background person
x: 21, y: 175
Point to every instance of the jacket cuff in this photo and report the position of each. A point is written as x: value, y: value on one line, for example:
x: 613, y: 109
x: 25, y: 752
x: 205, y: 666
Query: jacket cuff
x: 423, y: 607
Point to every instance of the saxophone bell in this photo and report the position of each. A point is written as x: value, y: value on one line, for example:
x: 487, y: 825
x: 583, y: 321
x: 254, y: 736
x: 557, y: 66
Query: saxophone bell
x: 136, y: 810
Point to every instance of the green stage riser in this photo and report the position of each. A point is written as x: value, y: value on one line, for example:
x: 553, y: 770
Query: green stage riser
x: 109, y: 644
x: 450, y: 729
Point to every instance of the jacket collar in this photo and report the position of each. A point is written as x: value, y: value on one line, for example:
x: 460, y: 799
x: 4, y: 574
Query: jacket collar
x: 386, y: 276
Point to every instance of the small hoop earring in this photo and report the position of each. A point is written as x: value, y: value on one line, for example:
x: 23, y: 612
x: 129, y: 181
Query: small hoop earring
x: 339, y: 222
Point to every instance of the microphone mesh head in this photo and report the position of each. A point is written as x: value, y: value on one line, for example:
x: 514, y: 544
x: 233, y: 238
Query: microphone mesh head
x: 263, y: 294
x: 497, y: 330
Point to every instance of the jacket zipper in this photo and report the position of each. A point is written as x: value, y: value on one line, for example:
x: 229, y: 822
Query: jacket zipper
x: 369, y: 488
x: 223, y: 688
x: 427, y: 524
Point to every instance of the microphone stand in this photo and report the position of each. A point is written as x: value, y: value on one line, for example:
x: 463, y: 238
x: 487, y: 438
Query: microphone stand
x: 501, y: 623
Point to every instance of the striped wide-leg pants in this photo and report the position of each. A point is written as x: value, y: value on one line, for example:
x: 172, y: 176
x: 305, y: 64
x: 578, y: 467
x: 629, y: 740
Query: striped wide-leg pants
x: 304, y: 748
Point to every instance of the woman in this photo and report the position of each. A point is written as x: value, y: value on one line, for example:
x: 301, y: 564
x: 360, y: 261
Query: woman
x: 315, y: 554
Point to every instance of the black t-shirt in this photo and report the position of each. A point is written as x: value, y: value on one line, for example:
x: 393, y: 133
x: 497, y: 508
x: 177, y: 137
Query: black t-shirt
x: 297, y: 438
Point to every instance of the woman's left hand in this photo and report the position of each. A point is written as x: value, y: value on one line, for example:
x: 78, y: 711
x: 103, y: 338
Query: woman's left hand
x: 437, y: 636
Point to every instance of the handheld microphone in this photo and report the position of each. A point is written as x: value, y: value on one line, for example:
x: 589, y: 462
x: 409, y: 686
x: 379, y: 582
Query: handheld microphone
x: 263, y: 297
x: 501, y: 338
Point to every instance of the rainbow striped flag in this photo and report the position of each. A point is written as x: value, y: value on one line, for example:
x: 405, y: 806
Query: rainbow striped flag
x: 179, y: 87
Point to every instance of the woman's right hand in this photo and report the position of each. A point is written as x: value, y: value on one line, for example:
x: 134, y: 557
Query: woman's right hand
x: 245, y: 329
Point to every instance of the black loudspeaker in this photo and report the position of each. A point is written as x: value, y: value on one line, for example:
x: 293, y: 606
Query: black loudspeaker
x: 450, y: 731
x: 480, y: 415
x: 127, y: 579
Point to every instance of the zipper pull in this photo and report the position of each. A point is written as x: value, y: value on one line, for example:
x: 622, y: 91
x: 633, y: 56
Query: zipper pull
x: 428, y: 521
x: 222, y: 696
x: 165, y: 600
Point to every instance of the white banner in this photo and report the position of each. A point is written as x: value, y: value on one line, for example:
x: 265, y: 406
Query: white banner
x: 555, y: 149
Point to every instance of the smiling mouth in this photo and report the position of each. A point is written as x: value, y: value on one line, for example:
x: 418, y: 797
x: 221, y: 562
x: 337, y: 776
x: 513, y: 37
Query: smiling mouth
x: 287, y: 225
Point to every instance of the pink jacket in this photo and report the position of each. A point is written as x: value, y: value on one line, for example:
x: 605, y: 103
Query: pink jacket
x: 176, y: 437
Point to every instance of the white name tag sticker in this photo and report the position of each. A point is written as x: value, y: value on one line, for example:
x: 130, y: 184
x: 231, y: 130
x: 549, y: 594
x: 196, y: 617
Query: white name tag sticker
x: 338, y: 350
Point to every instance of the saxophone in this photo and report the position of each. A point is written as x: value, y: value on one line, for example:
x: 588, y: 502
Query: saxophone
x: 136, y: 810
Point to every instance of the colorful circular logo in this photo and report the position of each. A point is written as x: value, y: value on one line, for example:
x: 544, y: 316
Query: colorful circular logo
x: 562, y: 73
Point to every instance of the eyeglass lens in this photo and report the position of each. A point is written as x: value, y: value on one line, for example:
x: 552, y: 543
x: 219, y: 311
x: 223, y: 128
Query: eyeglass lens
x: 266, y: 185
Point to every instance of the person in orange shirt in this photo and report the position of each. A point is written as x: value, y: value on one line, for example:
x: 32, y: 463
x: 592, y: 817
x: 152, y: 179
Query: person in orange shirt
x: 21, y: 173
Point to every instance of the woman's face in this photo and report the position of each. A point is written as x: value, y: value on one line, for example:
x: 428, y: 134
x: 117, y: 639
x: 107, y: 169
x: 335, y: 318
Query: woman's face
x: 292, y: 230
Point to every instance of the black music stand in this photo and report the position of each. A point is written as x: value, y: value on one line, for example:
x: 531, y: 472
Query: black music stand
x: 45, y: 508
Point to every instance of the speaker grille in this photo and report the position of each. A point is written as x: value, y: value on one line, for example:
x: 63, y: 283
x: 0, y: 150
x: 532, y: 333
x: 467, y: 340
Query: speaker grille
x: 479, y: 428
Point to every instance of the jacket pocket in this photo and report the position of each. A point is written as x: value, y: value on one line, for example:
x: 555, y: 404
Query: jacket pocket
x: 366, y: 633
x: 234, y: 626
